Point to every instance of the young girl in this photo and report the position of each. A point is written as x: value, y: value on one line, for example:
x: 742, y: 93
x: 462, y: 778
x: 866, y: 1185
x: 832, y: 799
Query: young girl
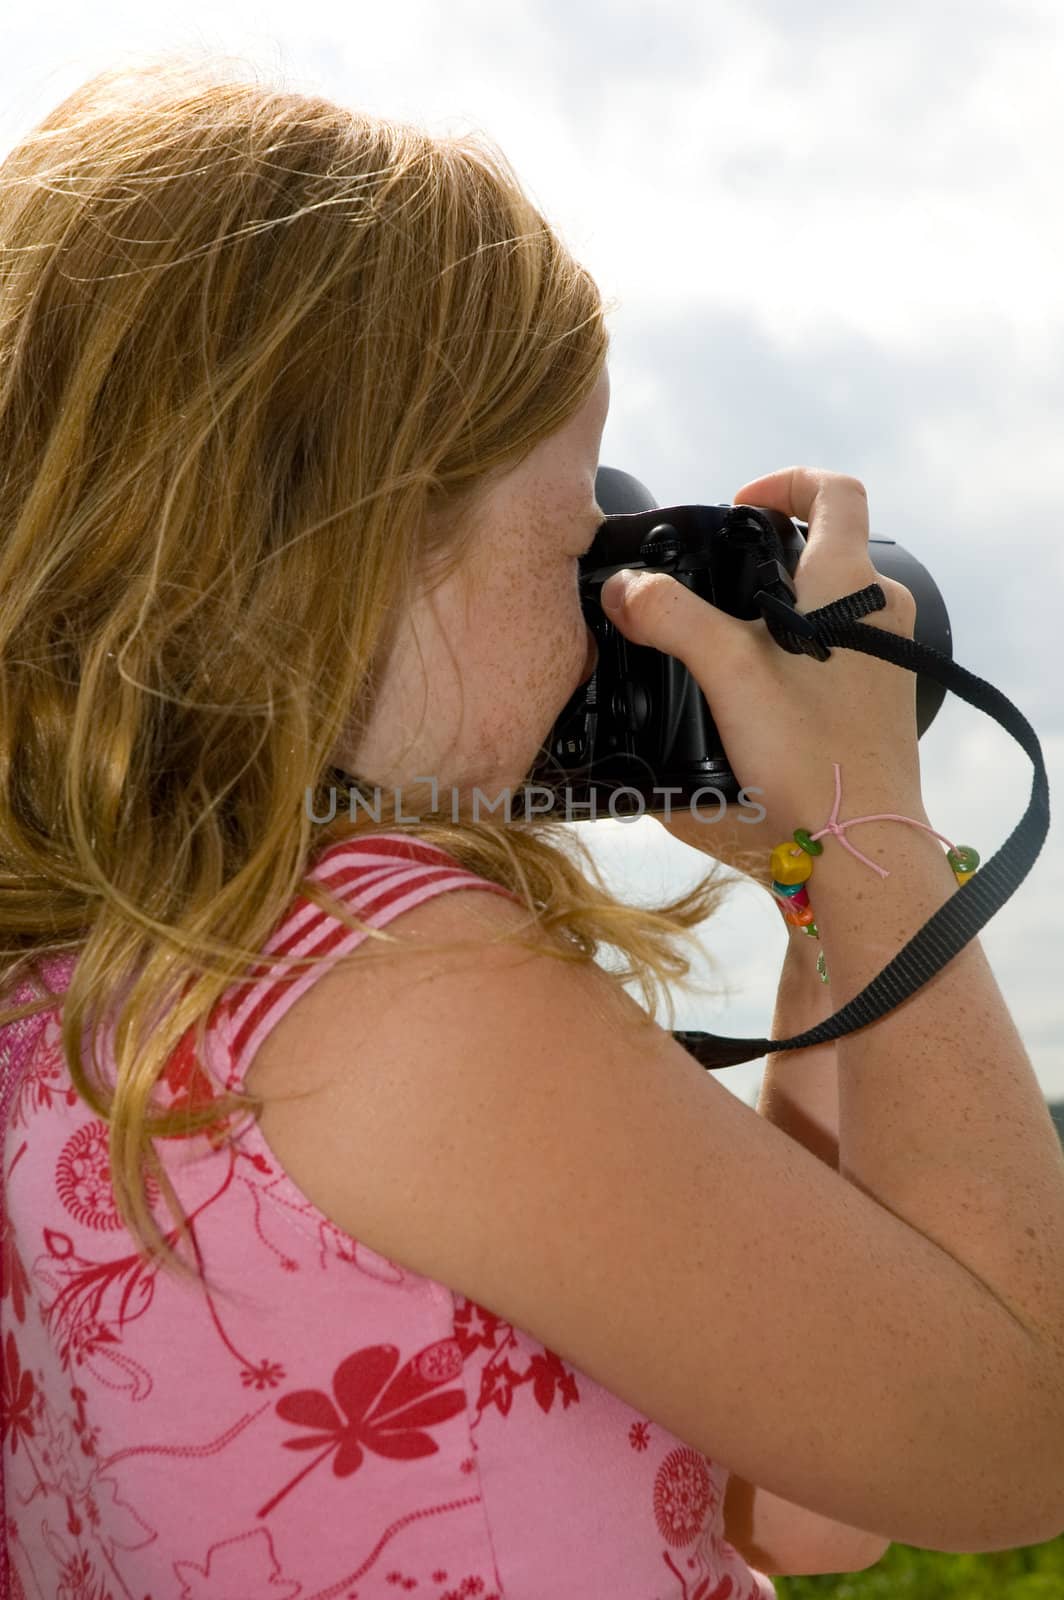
x: 361, y: 1232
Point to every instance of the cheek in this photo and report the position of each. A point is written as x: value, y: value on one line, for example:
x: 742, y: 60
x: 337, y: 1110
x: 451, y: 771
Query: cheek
x: 533, y: 646
x: 559, y: 648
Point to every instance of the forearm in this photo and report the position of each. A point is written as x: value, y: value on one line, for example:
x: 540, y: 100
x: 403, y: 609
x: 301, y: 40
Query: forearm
x: 799, y: 1094
x: 941, y: 1118
x: 799, y: 1089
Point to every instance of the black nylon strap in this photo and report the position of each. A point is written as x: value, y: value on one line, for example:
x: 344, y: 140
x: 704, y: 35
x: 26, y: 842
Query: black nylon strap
x: 956, y: 922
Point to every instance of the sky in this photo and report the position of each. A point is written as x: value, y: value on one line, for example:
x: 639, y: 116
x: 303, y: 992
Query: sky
x: 834, y: 236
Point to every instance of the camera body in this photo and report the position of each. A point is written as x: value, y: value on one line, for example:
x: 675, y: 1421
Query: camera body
x: 641, y: 725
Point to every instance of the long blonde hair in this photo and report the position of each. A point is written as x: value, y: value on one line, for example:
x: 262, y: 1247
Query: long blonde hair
x: 249, y: 339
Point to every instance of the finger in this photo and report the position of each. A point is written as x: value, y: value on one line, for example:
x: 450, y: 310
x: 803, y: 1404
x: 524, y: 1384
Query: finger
x: 836, y: 557
x: 899, y: 615
x: 652, y: 608
x: 814, y: 495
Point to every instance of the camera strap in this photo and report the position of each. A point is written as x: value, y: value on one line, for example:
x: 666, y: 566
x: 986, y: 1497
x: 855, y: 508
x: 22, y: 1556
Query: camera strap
x: 973, y: 903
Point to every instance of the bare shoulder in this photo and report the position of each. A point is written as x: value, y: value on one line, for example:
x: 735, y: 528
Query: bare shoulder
x: 512, y: 1125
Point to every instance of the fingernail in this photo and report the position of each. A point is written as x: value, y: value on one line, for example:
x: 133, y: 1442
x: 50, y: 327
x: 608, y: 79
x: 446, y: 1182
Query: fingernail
x: 615, y: 588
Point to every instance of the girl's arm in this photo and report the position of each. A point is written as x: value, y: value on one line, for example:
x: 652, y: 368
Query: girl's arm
x: 799, y: 1094
x: 800, y: 1089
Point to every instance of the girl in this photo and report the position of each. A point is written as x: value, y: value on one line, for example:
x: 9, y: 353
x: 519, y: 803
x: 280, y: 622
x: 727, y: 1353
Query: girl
x: 362, y: 1233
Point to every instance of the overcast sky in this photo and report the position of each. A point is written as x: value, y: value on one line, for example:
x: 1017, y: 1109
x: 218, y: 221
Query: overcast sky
x: 835, y: 234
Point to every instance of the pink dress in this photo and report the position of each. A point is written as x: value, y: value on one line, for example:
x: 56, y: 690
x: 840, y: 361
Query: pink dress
x: 324, y: 1424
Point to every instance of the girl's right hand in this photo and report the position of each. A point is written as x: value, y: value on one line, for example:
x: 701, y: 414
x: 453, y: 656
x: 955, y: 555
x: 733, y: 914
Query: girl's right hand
x: 784, y: 719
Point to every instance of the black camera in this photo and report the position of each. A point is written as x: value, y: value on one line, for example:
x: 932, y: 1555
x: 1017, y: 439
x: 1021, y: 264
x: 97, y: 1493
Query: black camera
x: 640, y: 726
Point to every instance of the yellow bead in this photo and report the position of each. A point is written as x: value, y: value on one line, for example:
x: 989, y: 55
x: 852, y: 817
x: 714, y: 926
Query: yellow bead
x: 962, y: 877
x: 790, y: 864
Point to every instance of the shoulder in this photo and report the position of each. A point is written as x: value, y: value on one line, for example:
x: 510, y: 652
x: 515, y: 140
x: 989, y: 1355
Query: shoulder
x: 364, y: 868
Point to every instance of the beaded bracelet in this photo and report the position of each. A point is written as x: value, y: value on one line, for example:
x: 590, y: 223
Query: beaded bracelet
x: 792, y: 864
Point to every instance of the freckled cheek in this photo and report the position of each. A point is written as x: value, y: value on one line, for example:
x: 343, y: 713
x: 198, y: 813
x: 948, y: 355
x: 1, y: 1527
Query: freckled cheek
x: 560, y: 649
x: 540, y: 639
x: 580, y: 637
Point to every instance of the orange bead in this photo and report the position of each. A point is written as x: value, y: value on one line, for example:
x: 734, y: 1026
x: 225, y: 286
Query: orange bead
x: 800, y: 918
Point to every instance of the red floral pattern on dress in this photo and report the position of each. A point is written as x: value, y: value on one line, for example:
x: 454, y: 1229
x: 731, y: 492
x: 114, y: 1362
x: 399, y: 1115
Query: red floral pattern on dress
x: 83, y: 1178
x: 149, y: 1427
x: 683, y: 1494
x: 16, y: 1397
x: 371, y: 1412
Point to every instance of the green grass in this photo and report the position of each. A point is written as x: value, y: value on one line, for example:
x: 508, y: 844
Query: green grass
x: 1033, y: 1573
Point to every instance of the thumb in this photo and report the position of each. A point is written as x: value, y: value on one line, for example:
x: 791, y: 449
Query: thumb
x: 652, y: 608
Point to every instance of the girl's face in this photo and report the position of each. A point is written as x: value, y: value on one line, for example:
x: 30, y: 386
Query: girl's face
x: 485, y: 663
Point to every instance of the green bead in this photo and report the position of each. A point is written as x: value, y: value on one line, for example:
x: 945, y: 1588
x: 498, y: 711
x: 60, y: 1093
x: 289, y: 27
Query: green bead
x: 963, y: 859
x: 821, y: 967
x: 812, y: 847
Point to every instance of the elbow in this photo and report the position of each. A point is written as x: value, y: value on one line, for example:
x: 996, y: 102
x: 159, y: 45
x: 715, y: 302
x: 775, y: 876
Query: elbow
x: 877, y: 1549
x: 857, y: 1554
x: 1019, y: 1515
x: 1042, y: 1518
x: 1021, y: 1485
x: 867, y: 1553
